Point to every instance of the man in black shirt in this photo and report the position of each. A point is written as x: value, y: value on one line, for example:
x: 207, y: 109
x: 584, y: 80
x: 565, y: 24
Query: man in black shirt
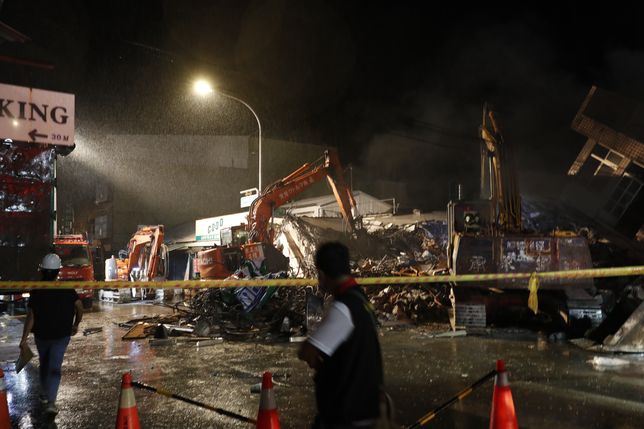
x: 344, y: 350
x: 53, y: 317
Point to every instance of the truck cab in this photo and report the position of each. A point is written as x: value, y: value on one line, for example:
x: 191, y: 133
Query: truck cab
x: 76, y: 259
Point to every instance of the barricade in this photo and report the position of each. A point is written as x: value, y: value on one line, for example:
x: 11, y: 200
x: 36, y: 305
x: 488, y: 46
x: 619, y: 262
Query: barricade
x: 168, y: 394
x: 363, y: 281
x: 502, y: 415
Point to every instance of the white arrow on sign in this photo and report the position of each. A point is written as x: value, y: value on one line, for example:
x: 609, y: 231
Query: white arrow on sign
x: 36, y: 116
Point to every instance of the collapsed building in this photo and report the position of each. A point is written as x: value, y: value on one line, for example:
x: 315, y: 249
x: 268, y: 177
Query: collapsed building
x: 608, y: 173
x: 520, y: 235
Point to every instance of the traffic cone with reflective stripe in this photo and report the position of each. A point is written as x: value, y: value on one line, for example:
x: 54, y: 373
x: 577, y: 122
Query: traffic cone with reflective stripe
x: 267, y: 417
x: 128, y: 416
x: 5, y: 421
x: 502, y: 415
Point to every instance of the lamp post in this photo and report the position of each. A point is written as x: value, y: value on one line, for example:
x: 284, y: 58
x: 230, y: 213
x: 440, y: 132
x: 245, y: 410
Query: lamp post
x: 203, y: 88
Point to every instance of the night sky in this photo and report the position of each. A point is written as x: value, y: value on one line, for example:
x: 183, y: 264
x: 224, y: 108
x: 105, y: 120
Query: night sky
x: 340, y: 73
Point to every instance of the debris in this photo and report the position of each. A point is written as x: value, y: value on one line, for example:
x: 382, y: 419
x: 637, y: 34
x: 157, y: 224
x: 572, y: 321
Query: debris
x: 630, y: 336
x: 448, y: 334
x: 202, y: 328
x: 209, y: 342
x: 196, y: 341
x: 622, y: 330
x: 314, y: 310
x: 387, y: 246
x: 174, y: 331
x: 250, y: 313
x: 90, y: 331
x: 137, y: 332
x: 391, y: 246
x: 418, y: 303
x: 160, y: 332
x: 286, y: 325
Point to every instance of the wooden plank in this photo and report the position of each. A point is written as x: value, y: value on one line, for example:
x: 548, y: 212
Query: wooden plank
x: 136, y: 332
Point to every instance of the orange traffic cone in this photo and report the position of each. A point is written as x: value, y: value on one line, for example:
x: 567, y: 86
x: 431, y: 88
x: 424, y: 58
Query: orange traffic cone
x: 502, y: 415
x: 5, y: 421
x: 128, y: 416
x: 267, y: 417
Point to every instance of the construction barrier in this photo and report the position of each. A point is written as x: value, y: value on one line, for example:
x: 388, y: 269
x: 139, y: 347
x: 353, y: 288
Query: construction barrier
x: 502, y: 414
x: 362, y: 281
x: 127, y: 416
x: 267, y: 417
x: 454, y: 399
x: 217, y: 410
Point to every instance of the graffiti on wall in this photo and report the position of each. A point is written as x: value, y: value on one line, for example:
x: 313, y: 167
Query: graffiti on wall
x: 525, y: 255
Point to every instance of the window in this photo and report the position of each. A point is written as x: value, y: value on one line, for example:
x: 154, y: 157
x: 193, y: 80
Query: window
x: 73, y: 255
x: 608, y: 164
x: 623, y: 195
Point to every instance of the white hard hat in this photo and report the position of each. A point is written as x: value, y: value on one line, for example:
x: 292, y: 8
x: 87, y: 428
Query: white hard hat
x: 51, y: 261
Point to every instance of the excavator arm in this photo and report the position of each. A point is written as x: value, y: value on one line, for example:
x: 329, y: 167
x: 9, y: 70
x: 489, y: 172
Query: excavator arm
x: 498, y: 174
x: 295, y: 183
x: 145, y: 252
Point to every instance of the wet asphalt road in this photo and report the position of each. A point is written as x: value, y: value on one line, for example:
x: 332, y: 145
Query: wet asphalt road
x: 553, y: 384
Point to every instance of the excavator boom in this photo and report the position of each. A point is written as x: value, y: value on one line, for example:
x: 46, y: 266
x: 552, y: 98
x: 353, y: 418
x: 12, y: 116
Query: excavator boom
x: 145, y: 253
x: 498, y: 174
x: 295, y: 183
x: 219, y: 262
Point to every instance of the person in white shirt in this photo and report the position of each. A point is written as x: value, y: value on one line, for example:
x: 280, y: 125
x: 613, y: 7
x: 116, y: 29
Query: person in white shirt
x: 344, y: 350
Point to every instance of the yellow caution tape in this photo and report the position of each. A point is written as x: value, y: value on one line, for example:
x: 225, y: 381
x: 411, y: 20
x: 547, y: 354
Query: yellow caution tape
x: 365, y: 281
x: 533, y: 300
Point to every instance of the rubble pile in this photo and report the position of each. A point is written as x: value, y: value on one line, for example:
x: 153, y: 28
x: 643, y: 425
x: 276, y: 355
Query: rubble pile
x: 221, y: 311
x: 416, y: 249
x: 380, y: 248
x: 385, y: 246
x: 250, y: 312
x: 300, y: 237
x: 417, y: 304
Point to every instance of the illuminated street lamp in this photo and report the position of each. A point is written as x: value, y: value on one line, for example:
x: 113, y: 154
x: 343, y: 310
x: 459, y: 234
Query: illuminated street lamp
x: 203, y: 88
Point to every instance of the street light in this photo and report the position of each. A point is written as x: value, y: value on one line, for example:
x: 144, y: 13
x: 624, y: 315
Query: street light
x: 203, y: 88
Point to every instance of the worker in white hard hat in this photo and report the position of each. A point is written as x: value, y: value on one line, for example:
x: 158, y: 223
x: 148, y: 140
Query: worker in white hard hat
x: 53, y: 317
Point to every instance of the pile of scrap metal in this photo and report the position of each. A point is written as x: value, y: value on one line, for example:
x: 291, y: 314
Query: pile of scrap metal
x: 385, y: 246
x: 417, y: 304
x: 245, y: 313
x: 409, y: 250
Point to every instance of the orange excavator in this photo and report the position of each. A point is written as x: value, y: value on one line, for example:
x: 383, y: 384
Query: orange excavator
x: 146, y: 256
x: 260, y: 249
